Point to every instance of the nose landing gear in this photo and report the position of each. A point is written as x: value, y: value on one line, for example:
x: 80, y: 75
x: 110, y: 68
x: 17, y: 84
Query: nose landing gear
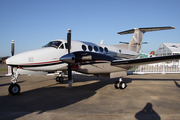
x: 14, y: 88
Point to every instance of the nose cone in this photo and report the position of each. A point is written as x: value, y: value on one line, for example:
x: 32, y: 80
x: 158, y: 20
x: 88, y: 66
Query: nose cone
x: 33, y: 57
x: 11, y: 61
x: 7, y: 61
x: 69, y: 58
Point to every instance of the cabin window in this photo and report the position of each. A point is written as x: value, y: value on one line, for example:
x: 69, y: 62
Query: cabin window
x: 84, y: 47
x: 95, y: 48
x: 120, y: 50
x: 106, y: 50
x: 101, y: 49
x: 90, y: 48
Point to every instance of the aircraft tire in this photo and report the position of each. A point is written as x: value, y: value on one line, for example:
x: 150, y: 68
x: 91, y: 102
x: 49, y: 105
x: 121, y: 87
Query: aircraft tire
x: 122, y: 85
x: 61, y: 79
x: 14, y: 89
x: 116, y: 84
x: 57, y: 79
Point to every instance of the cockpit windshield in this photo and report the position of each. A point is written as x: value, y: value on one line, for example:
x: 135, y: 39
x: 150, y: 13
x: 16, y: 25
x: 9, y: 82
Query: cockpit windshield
x: 53, y: 44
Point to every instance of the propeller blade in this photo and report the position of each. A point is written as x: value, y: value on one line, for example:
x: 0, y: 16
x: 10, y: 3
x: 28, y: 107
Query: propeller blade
x: 12, y: 47
x: 69, y: 65
x: 69, y: 71
x: 69, y: 40
x: 12, y: 53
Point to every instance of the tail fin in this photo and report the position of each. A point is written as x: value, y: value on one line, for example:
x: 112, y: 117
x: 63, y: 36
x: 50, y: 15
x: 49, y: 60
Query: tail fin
x: 136, y: 40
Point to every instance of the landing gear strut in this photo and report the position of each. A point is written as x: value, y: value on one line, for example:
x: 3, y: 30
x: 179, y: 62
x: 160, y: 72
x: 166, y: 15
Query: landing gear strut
x: 120, y: 84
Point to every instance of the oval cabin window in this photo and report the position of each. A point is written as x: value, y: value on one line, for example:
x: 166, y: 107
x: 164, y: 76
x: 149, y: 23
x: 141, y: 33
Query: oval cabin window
x: 84, y: 47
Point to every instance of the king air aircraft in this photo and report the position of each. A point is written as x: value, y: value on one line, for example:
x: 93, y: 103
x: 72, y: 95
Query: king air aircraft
x: 85, y: 57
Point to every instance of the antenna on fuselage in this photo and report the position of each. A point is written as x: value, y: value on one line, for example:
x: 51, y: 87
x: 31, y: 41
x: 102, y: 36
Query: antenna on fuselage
x: 101, y: 41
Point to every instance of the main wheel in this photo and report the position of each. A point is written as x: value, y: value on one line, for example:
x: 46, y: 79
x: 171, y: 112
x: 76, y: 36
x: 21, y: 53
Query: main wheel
x: 116, y: 84
x: 14, y: 89
x: 122, y: 85
x: 59, y: 79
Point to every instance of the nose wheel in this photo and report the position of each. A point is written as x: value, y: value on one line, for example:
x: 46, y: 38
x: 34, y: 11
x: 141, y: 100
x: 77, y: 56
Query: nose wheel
x: 120, y: 84
x: 14, y: 89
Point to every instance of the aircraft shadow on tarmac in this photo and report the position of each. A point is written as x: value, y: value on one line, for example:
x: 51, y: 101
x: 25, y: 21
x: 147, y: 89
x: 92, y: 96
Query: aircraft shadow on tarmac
x: 45, y: 99
x: 55, y: 97
x: 129, y: 80
x: 147, y: 113
x: 176, y: 84
x: 7, y: 84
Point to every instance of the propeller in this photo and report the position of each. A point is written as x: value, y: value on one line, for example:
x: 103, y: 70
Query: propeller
x: 70, y: 81
x: 12, y: 53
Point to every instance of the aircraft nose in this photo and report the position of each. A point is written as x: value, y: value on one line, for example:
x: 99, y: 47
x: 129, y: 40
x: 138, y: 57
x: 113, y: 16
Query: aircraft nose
x: 11, y: 61
x: 8, y: 61
x: 69, y: 58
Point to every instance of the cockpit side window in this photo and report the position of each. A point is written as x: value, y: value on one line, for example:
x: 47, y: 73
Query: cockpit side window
x: 53, y: 44
x: 61, y: 47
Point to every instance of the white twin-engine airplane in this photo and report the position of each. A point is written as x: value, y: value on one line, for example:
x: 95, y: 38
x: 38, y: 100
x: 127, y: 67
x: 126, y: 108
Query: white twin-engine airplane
x: 85, y: 57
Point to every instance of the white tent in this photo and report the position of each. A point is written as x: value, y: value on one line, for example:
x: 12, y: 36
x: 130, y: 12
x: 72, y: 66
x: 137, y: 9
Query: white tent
x: 168, y: 49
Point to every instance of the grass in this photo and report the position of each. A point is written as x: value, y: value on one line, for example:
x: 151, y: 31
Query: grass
x: 4, y: 69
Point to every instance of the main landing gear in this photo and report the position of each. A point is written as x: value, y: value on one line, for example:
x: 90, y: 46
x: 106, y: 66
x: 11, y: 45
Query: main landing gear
x: 120, y: 84
x: 59, y: 78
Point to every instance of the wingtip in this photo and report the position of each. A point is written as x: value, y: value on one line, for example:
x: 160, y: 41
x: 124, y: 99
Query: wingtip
x: 172, y: 27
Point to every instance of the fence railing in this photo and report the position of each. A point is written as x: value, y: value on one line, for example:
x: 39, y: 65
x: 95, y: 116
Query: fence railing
x: 161, y: 68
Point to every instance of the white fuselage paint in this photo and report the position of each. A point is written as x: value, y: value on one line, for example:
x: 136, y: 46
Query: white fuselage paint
x: 47, y: 58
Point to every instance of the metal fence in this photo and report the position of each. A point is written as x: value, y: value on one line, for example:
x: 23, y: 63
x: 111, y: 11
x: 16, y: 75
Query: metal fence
x: 161, y: 68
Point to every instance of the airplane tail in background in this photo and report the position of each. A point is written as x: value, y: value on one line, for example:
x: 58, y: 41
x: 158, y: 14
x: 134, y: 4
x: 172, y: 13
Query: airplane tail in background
x: 136, y: 40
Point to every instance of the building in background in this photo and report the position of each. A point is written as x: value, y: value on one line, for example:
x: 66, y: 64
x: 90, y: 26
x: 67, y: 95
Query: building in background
x: 168, y: 49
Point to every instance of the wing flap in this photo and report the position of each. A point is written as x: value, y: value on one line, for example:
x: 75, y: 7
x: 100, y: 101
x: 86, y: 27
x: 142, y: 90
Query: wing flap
x: 141, y: 61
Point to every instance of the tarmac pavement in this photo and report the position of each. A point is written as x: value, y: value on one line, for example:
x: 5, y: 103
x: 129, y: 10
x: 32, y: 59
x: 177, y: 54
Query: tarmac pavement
x: 146, y: 97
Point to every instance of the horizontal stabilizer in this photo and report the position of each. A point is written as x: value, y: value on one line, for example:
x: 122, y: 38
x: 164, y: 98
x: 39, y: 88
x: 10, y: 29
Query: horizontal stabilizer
x: 146, y: 29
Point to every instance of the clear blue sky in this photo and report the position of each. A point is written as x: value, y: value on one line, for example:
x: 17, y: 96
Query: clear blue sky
x: 33, y: 23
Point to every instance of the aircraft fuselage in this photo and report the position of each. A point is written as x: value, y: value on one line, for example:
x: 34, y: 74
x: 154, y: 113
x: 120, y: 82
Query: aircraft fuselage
x: 48, y: 58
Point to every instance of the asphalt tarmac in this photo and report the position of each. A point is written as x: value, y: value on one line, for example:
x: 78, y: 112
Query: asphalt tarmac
x: 146, y: 97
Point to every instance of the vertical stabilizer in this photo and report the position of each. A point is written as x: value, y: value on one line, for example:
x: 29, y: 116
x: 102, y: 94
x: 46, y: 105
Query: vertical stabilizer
x: 136, y: 40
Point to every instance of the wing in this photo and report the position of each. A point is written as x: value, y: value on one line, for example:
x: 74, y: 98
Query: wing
x: 141, y: 61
